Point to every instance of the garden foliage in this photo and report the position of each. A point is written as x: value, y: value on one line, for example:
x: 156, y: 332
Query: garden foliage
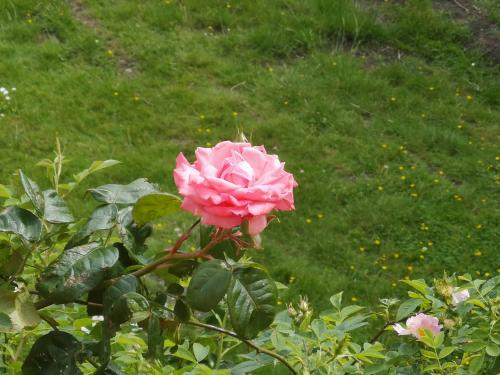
x: 87, y: 294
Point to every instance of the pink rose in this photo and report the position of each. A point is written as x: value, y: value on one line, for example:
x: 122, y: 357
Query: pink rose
x: 416, y: 324
x: 232, y: 183
x: 459, y: 296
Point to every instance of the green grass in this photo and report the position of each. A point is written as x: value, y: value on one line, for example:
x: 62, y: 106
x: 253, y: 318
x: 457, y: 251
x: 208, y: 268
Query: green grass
x: 352, y: 96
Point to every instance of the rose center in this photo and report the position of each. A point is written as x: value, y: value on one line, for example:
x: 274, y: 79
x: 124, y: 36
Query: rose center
x: 238, y: 172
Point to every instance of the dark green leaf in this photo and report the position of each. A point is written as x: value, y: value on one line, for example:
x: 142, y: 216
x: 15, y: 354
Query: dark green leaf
x: 407, y: 307
x: 125, y: 284
x: 14, y: 264
x: 111, y: 369
x: 154, y: 206
x: 32, y: 191
x: 183, y: 268
x: 55, y: 209
x: 103, y: 218
x: 222, y: 249
x: 155, y: 337
x: 251, y: 301
x: 20, y: 221
x: 208, y: 285
x: 75, y: 272
x: 175, y: 289
x: 181, y: 311
x: 123, y: 194
x: 5, y: 323
x: 95, y: 298
x: 122, y: 302
x: 130, y: 306
x: 54, y: 353
x: 132, y: 235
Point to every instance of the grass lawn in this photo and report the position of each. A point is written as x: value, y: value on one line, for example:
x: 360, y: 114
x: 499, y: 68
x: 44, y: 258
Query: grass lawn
x: 387, y: 112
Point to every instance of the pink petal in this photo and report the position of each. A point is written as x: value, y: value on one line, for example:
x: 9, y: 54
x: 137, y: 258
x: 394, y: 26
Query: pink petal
x: 400, y: 330
x: 256, y: 224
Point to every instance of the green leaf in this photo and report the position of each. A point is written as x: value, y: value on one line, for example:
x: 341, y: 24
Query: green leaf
x: 428, y: 338
x: 251, y: 301
x: 5, y: 192
x: 428, y: 354
x: 336, y: 300
x: 476, y: 363
x: 407, y: 307
x: 474, y: 346
x: 446, y: 351
x: 438, y: 339
x: 32, y: 191
x: 123, y: 194
x: 419, y: 285
x: 130, y: 306
x: 17, y: 311
x: 492, y: 350
x: 103, y: 218
x: 431, y: 368
x: 476, y: 302
x: 55, y: 209
x: 154, y: 206
x: 20, y: 221
x: 200, y: 351
x: 55, y: 353
x: 349, y: 310
x: 94, y: 167
x: 208, y: 285
x: 75, y: 272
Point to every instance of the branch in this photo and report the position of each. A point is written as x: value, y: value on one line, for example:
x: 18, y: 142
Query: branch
x: 44, y: 303
x: 257, y: 348
x: 174, y: 254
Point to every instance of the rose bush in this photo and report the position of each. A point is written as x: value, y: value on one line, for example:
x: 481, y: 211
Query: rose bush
x: 93, y: 296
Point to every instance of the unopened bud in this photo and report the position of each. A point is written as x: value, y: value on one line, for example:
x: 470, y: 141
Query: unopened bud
x: 443, y: 288
x: 241, y: 137
x: 449, y: 323
x: 304, y: 304
x: 292, y: 313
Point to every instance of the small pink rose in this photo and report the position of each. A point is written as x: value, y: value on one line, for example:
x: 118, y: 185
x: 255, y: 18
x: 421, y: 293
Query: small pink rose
x: 417, y: 324
x: 234, y: 182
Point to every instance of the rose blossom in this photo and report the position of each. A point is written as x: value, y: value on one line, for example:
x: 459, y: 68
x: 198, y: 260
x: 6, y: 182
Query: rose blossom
x: 416, y: 324
x: 459, y: 296
x: 232, y: 183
